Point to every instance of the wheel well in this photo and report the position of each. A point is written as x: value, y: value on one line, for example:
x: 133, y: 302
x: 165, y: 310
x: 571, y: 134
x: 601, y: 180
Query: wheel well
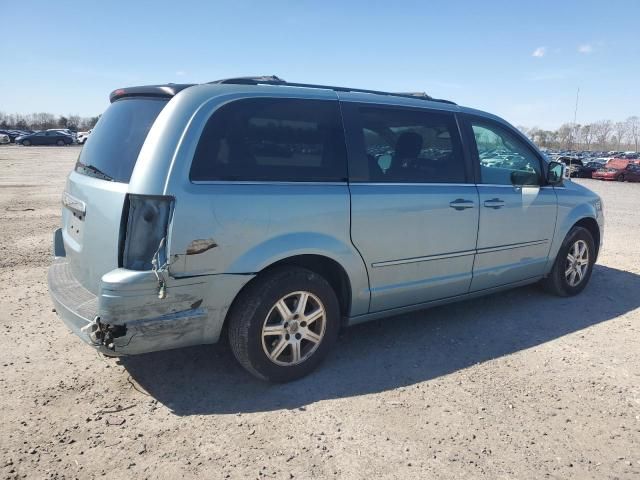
x: 591, y: 225
x: 329, y: 269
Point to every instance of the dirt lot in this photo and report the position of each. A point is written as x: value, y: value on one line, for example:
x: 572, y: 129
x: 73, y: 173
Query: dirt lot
x: 516, y: 385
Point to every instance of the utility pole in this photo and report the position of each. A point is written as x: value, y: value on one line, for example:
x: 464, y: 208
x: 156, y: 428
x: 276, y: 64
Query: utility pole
x: 575, y: 118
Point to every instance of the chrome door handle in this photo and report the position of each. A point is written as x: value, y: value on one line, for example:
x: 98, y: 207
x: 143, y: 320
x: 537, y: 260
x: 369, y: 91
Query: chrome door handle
x: 461, y: 204
x: 494, y: 203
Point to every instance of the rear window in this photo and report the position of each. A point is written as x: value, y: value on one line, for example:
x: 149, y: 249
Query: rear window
x: 267, y: 139
x: 115, y: 142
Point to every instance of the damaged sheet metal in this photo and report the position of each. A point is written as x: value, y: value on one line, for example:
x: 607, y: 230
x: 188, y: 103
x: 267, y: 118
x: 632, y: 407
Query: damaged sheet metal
x: 104, y: 334
x: 126, y: 317
x: 200, y: 246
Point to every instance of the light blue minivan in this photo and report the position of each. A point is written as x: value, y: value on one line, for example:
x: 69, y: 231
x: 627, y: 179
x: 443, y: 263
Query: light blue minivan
x: 275, y: 214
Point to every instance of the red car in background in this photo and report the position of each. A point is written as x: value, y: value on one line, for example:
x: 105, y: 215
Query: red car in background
x: 619, y: 169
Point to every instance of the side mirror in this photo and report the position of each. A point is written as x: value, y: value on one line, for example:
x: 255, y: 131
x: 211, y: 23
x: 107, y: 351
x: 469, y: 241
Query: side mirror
x: 556, y: 173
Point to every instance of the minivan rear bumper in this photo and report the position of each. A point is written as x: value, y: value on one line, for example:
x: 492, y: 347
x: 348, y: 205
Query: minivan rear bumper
x: 128, y: 316
x: 75, y: 305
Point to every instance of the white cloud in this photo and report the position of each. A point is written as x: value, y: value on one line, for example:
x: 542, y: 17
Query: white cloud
x: 180, y: 73
x: 539, y: 52
x: 586, y: 48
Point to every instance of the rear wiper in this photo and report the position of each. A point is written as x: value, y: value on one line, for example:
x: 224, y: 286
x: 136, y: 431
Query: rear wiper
x: 95, y: 171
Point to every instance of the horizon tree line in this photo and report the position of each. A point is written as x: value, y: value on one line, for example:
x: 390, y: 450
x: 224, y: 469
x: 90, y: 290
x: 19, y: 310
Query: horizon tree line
x: 603, y: 135
x: 44, y: 121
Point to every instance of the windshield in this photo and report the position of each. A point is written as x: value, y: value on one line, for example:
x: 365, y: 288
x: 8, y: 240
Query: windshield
x: 112, y: 150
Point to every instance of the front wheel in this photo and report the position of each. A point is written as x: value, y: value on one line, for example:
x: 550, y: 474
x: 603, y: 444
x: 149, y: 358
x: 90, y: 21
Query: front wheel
x: 573, y: 266
x: 622, y: 178
x: 26, y: 143
x: 60, y: 143
x: 284, y: 323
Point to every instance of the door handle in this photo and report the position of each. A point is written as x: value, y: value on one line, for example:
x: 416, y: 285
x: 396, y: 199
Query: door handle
x: 494, y: 203
x: 461, y: 204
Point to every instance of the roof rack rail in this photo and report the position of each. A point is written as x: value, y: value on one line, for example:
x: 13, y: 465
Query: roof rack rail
x: 275, y: 80
x: 266, y: 79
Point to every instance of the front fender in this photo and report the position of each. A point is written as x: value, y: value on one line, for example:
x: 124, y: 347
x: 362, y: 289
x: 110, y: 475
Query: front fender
x: 570, y: 213
x: 289, y: 245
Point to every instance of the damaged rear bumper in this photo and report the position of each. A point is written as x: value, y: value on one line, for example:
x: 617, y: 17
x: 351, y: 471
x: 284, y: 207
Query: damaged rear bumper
x: 128, y: 317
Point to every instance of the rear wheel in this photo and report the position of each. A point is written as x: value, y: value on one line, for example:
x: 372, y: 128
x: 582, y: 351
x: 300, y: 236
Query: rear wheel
x: 284, y: 324
x: 60, y: 143
x: 622, y: 178
x: 573, y: 266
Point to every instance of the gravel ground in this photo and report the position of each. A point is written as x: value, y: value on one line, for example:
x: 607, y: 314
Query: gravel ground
x: 515, y: 385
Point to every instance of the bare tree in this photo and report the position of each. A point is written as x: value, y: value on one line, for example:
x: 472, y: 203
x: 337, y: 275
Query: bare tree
x: 74, y: 121
x: 601, y: 131
x: 564, y: 135
x: 620, y: 131
x: 586, y: 135
x: 525, y: 130
x: 534, y: 135
x: 633, y: 125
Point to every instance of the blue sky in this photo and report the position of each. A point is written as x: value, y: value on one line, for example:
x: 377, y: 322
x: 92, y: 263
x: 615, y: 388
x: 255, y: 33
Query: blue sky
x: 520, y: 60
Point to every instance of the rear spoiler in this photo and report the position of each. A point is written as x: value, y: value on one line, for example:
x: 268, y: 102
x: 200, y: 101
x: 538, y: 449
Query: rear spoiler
x: 166, y: 91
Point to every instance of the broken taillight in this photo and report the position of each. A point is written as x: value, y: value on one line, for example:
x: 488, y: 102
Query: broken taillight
x: 145, y: 232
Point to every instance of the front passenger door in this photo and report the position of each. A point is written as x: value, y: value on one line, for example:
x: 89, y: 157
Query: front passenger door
x: 517, y: 212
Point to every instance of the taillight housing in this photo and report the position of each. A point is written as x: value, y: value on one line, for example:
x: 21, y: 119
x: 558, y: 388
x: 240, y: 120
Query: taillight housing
x: 145, y: 230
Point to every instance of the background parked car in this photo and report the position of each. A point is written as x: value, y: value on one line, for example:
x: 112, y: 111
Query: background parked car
x: 82, y: 137
x: 614, y: 170
x: 587, y: 170
x: 66, y: 131
x: 606, y: 174
x: 631, y: 173
x: 574, y: 165
x: 12, y: 134
x: 47, y: 137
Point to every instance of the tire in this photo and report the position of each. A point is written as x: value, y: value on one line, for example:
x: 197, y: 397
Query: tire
x: 622, y: 178
x: 256, y: 307
x: 560, y: 281
x: 26, y: 143
x: 60, y: 143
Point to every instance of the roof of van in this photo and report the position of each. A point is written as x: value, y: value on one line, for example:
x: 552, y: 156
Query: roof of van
x: 171, y: 89
x: 265, y: 82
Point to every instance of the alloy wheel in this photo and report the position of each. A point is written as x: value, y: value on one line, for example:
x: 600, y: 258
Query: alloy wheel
x: 293, y: 328
x: 577, y: 263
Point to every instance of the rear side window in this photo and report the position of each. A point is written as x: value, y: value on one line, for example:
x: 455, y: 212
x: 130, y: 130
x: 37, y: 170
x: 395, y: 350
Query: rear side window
x: 268, y: 139
x: 411, y: 146
x: 115, y: 142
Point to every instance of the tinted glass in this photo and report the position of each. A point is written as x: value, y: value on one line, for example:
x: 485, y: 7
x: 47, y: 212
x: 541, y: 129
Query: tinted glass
x: 411, y: 146
x: 112, y: 150
x: 270, y: 139
x: 504, y: 158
